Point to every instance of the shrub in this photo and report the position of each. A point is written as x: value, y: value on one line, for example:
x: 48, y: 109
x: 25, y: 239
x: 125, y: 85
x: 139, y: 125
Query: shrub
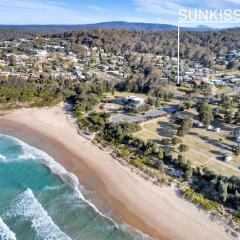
x: 183, y: 148
x: 124, y: 153
x: 176, y: 140
x: 237, y: 151
x: 137, y: 163
x: 187, y: 105
x: 197, y: 198
x: 185, y: 126
x: 166, y: 141
x: 151, y: 101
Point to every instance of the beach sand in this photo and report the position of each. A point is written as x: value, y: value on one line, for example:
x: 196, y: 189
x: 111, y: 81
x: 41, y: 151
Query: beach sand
x: 155, y: 211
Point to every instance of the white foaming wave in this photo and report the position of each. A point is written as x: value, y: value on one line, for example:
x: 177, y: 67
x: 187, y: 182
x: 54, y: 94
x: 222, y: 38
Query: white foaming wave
x: 27, y: 155
x: 5, y: 232
x: 27, y: 207
x: 2, y: 158
x: 59, y: 170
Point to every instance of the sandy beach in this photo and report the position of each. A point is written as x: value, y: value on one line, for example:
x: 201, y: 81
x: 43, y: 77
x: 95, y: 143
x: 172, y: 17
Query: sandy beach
x: 156, y: 211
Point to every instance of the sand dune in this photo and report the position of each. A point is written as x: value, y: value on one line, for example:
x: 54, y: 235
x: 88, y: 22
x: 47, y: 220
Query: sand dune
x: 156, y: 211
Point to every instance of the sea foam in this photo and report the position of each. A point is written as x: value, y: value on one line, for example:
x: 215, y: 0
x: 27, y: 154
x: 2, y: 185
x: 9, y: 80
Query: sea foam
x: 57, y: 169
x: 5, y: 232
x: 2, y: 158
x: 27, y: 208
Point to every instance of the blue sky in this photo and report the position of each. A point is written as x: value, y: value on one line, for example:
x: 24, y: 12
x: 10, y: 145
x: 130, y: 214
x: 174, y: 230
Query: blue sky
x: 92, y: 11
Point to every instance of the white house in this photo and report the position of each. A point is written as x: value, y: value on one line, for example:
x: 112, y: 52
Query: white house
x: 135, y: 101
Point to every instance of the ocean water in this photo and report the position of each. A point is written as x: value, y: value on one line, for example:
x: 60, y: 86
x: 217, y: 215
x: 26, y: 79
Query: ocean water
x: 40, y: 200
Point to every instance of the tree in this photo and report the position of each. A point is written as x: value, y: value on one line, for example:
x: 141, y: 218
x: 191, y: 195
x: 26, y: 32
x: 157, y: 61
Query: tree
x: 231, y: 65
x: 12, y: 60
x: 176, y: 141
x: 113, y: 91
x: 206, y: 114
x: 185, y: 126
x: 151, y: 101
x: 188, y: 174
x: 207, y: 90
x: 228, y: 116
x: 183, y: 148
x: 227, y: 103
x: 237, y: 151
x: 166, y: 141
x: 223, y: 190
x: 161, y: 154
x: 237, y: 116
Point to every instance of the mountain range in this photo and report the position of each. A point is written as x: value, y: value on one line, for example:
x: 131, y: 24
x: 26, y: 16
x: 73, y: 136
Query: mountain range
x: 107, y: 25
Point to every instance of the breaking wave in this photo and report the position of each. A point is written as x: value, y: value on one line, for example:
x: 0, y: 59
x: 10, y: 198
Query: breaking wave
x: 5, y: 232
x: 29, y: 152
x: 27, y: 208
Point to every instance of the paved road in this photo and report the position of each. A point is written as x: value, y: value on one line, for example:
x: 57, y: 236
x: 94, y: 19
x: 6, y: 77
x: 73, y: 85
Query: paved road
x: 138, y: 118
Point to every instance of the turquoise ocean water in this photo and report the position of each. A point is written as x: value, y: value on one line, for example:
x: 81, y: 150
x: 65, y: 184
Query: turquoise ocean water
x: 39, y: 200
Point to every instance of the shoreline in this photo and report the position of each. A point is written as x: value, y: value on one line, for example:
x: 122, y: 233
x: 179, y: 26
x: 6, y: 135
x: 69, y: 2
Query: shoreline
x: 155, y: 211
x: 102, y: 199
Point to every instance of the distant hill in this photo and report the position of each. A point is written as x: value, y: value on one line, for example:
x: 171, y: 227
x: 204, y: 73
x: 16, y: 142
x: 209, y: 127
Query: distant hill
x: 105, y: 25
x: 131, y: 26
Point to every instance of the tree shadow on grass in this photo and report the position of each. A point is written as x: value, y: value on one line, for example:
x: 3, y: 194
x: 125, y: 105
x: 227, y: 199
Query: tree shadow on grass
x: 215, y: 143
x: 218, y: 154
x: 166, y: 129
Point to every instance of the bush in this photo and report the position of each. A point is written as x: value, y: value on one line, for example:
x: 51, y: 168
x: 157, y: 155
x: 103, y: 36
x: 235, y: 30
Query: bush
x: 197, y: 198
x: 124, y: 153
x: 185, y: 126
x: 166, y: 141
x: 237, y: 151
x: 176, y: 141
x: 137, y: 163
x: 94, y: 122
x: 188, y: 105
x: 178, y: 120
x: 151, y: 101
x: 183, y: 148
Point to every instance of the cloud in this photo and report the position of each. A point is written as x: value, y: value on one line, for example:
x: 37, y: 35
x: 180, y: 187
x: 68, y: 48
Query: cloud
x: 96, y: 8
x: 42, y: 12
x: 168, y: 11
x: 232, y: 1
x: 30, y: 4
x: 172, y: 7
x: 157, y: 6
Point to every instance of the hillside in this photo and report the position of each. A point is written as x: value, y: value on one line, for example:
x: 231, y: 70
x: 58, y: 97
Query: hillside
x: 119, y: 25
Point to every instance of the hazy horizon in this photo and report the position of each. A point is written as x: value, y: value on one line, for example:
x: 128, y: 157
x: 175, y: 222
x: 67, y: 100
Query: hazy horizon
x: 75, y: 12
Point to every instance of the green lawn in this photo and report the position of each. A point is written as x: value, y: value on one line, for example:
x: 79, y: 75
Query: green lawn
x: 125, y: 94
x: 205, y: 147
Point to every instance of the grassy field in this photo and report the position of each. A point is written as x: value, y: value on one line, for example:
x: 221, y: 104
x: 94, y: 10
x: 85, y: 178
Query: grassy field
x: 125, y: 94
x: 205, y: 147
